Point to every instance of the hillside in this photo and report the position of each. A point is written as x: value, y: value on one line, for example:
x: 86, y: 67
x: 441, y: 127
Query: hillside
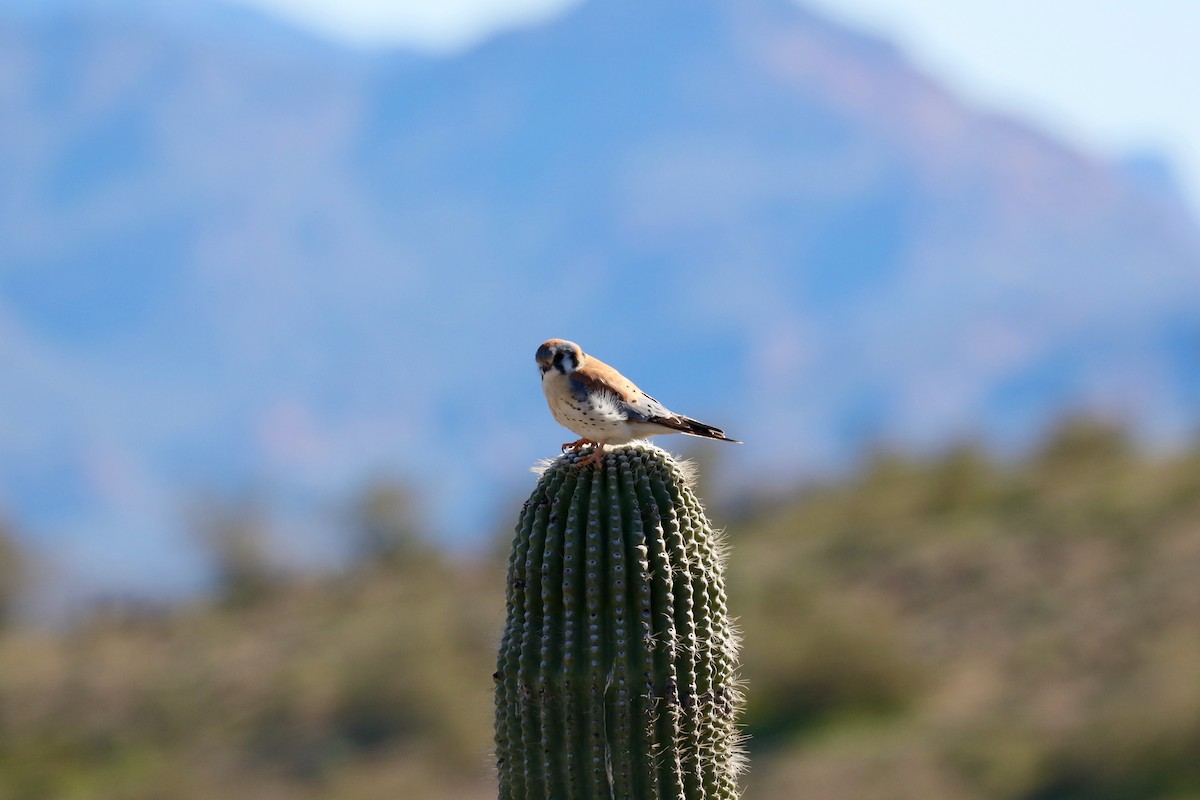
x: 948, y: 628
x: 232, y: 256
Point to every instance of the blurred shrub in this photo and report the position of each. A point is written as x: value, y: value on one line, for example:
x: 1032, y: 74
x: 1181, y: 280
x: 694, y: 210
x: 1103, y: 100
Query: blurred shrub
x: 384, y: 524
x: 964, y: 628
x: 302, y: 694
x: 12, y: 572
x: 235, y: 538
x: 1082, y: 443
x: 823, y: 660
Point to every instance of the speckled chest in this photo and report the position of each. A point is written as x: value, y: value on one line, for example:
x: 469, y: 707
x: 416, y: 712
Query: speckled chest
x: 593, y: 415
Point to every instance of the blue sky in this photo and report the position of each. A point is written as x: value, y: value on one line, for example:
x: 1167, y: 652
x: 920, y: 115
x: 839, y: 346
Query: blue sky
x: 1111, y: 75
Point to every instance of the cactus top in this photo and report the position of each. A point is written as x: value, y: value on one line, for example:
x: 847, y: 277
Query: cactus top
x: 616, y: 673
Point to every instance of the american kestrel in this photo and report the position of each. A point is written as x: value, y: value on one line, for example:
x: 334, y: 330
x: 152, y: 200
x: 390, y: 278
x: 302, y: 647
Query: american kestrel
x: 590, y: 398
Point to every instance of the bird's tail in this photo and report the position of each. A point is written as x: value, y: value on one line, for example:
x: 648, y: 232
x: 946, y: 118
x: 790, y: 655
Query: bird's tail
x: 697, y: 428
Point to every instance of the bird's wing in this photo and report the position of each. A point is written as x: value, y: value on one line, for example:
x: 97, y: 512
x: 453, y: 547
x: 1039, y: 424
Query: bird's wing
x: 596, y: 376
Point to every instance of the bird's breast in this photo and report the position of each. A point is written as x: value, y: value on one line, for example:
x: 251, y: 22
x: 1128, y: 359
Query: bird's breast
x: 594, y: 415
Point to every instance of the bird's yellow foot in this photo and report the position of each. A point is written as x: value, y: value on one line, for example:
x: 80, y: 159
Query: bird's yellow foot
x: 595, y: 457
x: 576, y: 445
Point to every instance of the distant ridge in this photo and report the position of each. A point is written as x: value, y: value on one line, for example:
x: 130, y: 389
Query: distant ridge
x: 221, y: 268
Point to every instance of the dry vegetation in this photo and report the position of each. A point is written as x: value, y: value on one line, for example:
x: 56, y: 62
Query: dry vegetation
x: 948, y: 628
x: 955, y: 629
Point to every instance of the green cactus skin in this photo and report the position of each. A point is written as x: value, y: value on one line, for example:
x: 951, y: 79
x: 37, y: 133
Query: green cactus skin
x: 616, y: 678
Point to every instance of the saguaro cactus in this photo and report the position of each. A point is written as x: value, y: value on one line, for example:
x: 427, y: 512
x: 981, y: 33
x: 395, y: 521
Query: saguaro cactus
x: 616, y: 673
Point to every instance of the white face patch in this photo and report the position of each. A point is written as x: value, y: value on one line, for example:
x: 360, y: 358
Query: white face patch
x: 569, y: 364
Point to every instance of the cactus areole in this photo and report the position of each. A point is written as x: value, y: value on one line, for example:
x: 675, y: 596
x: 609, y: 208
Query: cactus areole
x: 616, y: 674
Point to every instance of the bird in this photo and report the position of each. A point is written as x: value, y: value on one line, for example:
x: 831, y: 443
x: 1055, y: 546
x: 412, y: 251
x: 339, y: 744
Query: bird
x: 590, y: 398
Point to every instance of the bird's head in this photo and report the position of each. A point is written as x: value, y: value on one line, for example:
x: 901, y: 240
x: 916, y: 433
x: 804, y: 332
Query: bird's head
x: 559, y: 354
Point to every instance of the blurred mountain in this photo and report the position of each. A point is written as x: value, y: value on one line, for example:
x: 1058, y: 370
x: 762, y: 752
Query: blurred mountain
x: 232, y: 255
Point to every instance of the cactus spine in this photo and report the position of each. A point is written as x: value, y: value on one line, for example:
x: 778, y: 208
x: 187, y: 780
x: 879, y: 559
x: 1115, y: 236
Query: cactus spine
x: 616, y: 673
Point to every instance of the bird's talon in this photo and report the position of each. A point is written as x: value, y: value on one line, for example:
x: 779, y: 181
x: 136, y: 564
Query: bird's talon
x: 595, y: 457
